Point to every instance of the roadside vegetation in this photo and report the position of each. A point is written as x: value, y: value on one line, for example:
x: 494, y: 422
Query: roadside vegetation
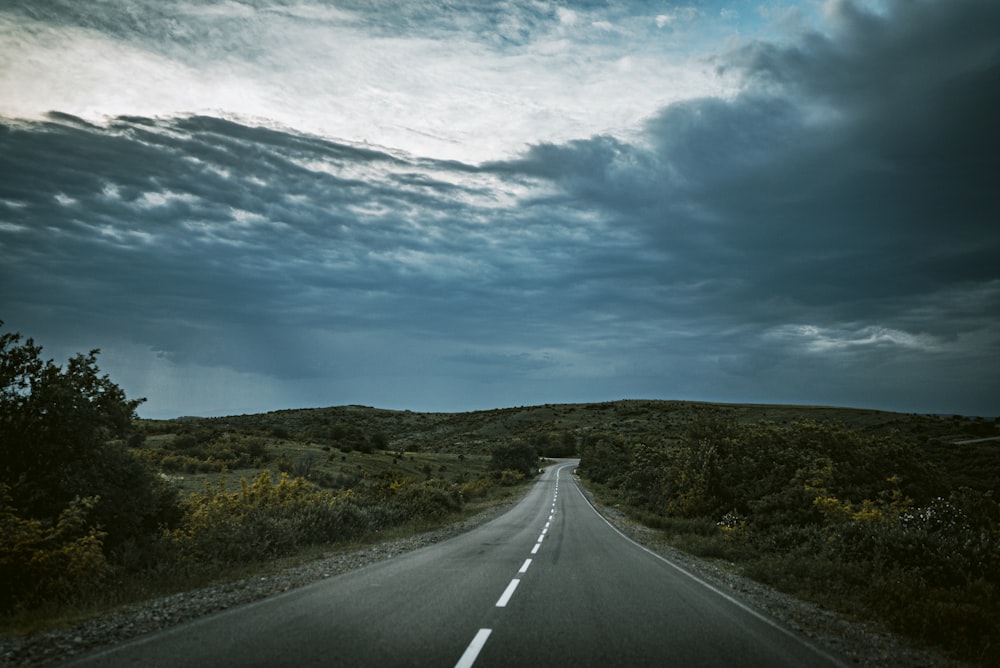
x: 879, y: 515
x: 98, y: 509
x: 879, y: 526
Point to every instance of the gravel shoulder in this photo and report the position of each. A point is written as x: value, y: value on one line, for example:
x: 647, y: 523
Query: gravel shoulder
x: 55, y: 646
x: 866, y: 644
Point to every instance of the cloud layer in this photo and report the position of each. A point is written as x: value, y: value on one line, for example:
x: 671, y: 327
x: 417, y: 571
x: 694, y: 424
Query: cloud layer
x: 823, y: 230
x: 469, y: 81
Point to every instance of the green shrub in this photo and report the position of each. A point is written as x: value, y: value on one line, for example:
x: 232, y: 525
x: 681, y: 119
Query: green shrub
x: 475, y: 489
x: 64, y: 431
x: 42, y: 561
x: 263, y: 520
x: 855, y: 521
x: 432, y: 498
x: 508, y: 477
x: 517, y: 456
x: 206, y: 451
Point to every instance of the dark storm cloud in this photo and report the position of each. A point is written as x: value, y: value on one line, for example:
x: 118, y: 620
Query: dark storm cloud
x: 827, y: 235
x: 884, y: 191
x: 830, y: 215
x: 198, y: 230
x: 892, y: 191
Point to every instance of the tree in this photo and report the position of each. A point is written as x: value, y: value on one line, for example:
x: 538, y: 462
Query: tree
x: 62, y: 435
x: 380, y: 441
x: 517, y: 456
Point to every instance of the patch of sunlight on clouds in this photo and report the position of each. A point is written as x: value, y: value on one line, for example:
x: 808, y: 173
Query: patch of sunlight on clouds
x: 567, y: 17
x: 152, y: 200
x: 828, y: 339
x: 436, y: 266
x: 677, y: 16
x: 448, y: 99
x: 124, y: 237
x: 246, y: 218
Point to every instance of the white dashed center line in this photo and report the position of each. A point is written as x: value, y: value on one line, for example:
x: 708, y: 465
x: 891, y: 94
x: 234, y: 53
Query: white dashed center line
x: 507, y: 593
x: 472, y: 651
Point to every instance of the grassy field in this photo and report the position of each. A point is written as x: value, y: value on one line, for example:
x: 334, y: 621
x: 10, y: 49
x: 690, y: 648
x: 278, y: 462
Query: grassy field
x: 326, y: 467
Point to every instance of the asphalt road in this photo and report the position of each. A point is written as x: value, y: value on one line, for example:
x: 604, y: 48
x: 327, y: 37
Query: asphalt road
x: 549, y: 583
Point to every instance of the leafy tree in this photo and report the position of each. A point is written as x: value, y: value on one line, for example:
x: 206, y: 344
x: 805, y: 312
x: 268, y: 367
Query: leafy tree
x: 550, y: 445
x: 380, y: 441
x: 518, y: 456
x: 62, y: 432
x: 605, y: 459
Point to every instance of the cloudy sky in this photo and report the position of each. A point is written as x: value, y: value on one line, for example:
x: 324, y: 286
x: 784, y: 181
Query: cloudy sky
x: 261, y: 204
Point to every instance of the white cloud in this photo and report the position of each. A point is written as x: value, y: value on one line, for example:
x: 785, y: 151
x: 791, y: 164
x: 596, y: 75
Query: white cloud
x: 566, y: 16
x: 449, y: 96
x: 150, y: 200
x: 315, y: 13
x: 815, y: 339
x: 677, y: 16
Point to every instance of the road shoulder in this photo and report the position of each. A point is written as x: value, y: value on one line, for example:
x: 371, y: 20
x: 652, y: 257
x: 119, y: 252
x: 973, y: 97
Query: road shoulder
x: 149, y: 616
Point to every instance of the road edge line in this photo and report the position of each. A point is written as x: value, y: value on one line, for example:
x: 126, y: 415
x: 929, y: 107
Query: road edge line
x: 743, y: 606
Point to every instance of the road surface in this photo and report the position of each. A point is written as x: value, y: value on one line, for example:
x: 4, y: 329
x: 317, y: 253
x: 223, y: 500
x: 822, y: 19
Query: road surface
x: 549, y: 583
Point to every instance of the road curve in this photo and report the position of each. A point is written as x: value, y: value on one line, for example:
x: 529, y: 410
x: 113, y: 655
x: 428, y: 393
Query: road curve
x: 549, y: 583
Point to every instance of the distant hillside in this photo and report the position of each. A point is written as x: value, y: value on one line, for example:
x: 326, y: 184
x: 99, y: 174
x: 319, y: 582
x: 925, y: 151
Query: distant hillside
x: 658, y: 421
